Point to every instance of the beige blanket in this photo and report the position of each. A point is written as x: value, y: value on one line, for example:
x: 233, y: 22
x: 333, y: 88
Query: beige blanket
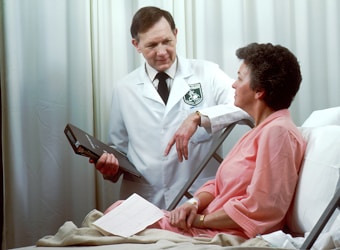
x: 87, y: 235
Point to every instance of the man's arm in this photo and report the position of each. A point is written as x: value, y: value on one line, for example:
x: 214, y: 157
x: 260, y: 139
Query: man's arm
x: 212, y: 119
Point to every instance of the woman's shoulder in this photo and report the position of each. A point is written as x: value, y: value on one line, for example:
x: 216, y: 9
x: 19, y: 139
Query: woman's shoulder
x: 282, y: 126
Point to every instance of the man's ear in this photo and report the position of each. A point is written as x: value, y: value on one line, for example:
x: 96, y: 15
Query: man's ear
x: 135, y: 44
x: 175, y: 32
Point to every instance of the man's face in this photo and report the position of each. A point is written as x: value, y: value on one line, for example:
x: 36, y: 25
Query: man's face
x: 158, y: 45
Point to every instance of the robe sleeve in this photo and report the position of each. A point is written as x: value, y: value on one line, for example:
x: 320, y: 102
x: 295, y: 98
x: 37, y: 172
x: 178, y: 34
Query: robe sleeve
x: 209, y: 187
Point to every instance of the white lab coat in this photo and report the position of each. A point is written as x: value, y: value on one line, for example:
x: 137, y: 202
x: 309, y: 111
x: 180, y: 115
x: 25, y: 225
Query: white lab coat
x: 141, y: 125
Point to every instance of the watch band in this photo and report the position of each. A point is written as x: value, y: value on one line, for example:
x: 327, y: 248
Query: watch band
x: 202, y: 217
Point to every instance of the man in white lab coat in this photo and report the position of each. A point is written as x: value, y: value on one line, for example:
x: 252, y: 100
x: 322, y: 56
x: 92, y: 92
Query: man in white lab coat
x: 166, y: 140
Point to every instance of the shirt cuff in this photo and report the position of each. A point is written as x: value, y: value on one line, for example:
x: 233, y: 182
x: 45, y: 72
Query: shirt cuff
x: 205, y: 123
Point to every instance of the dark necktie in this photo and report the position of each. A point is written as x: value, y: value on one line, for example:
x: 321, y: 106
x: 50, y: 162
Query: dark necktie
x: 162, y: 86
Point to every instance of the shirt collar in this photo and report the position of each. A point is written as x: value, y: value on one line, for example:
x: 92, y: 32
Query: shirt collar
x: 151, y: 72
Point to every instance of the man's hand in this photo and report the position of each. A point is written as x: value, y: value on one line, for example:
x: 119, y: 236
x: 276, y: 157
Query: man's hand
x: 183, y: 135
x: 107, y: 164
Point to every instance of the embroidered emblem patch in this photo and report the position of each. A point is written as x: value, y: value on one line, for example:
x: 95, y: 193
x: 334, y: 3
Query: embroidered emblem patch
x: 194, y: 95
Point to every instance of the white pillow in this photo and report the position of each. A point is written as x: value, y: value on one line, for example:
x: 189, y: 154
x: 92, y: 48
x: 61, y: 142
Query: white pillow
x: 319, y: 177
x: 330, y: 116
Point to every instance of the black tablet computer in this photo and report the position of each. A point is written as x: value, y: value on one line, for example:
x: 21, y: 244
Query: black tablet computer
x: 87, y: 145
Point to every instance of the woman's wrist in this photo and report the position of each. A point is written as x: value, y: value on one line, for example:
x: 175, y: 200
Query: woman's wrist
x: 199, y: 221
x: 194, y: 201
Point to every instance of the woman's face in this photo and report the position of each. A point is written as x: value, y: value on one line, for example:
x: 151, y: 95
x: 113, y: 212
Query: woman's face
x: 244, y: 94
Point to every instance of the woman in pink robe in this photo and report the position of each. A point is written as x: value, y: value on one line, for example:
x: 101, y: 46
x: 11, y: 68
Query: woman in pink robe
x: 255, y: 183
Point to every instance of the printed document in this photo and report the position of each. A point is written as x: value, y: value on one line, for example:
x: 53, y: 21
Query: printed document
x: 130, y: 217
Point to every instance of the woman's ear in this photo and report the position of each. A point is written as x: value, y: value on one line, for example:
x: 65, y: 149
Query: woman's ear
x: 259, y: 94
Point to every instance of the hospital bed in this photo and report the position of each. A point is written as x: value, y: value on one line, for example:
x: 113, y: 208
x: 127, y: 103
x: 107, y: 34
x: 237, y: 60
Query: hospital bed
x: 313, y: 222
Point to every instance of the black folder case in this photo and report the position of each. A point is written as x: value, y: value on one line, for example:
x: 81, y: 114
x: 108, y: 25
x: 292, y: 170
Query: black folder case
x: 87, y: 145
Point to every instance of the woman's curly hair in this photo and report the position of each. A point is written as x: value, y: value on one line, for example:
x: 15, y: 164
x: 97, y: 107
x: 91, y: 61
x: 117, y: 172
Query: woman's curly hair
x: 274, y: 70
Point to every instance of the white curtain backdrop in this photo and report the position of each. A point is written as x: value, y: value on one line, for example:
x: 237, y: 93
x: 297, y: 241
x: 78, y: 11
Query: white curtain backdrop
x: 60, y: 59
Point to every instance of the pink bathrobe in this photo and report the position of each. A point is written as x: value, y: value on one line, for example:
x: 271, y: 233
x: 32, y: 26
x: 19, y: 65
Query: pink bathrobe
x: 256, y: 181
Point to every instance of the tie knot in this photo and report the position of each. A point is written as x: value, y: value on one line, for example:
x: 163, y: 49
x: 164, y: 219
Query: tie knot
x: 161, y: 76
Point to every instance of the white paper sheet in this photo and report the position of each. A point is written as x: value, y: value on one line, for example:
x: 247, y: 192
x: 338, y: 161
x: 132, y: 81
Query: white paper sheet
x: 130, y: 217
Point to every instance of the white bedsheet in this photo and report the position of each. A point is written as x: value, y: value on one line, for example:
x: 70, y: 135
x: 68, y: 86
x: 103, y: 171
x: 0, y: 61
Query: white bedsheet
x: 88, y: 237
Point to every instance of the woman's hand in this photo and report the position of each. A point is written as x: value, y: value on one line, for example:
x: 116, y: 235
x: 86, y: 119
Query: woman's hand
x: 183, y: 216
